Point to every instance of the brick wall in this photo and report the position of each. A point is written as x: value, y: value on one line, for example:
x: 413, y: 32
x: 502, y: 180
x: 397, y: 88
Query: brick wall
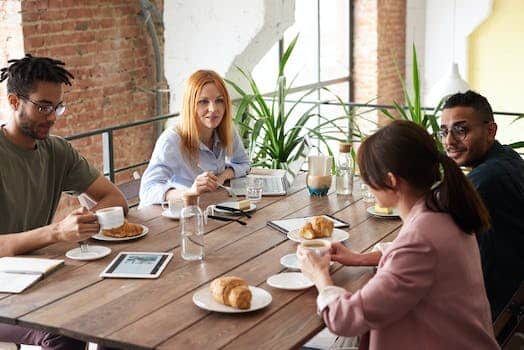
x: 107, y: 48
x: 379, y: 38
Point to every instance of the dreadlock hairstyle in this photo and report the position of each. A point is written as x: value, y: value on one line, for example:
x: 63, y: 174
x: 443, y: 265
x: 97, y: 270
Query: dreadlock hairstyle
x: 408, y: 151
x: 22, y: 74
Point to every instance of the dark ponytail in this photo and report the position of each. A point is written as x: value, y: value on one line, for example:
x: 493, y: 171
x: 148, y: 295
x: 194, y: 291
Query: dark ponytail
x: 456, y: 195
x: 408, y: 151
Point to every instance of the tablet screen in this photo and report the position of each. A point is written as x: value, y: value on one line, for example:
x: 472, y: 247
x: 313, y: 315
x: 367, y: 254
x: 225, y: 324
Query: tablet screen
x: 137, y: 265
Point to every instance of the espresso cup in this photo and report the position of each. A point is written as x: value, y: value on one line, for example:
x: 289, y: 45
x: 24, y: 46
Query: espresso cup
x: 111, y: 217
x: 174, y: 206
x: 318, y: 246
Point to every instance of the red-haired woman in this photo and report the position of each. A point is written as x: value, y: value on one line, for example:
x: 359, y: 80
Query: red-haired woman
x: 202, y: 151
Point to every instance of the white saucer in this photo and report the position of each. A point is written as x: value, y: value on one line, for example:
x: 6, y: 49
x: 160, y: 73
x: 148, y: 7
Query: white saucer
x: 290, y: 280
x: 168, y: 214
x: 393, y: 215
x: 204, y: 300
x: 338, y: 235
x: 99, y: 236
x: 290, y: 261
x: 232, y: 206
x: 94, y: 252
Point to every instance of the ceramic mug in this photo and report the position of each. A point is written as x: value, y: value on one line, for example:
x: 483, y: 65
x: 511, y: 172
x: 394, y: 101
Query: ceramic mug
x: 173, y: 206
x: 318, y: 185
x: 111, y: 217
x: 318, y: 246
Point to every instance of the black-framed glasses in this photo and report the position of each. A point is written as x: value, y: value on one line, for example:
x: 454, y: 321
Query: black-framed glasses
x: 459, y: 131
x: 46, y: 108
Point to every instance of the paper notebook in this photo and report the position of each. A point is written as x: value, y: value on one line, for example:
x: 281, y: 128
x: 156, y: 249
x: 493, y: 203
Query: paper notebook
x: 18, y: 273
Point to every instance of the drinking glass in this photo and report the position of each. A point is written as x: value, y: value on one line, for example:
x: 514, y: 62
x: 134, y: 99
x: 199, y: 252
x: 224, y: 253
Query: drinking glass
x: 253, y: 189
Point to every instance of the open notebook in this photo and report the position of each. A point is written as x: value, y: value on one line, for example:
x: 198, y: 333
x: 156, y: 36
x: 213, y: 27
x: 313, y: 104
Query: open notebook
x: 275, y: 182
x: 19, y: 273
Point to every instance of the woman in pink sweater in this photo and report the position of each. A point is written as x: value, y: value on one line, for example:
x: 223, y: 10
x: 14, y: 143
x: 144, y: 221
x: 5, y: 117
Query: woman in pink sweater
x: 428, y: 292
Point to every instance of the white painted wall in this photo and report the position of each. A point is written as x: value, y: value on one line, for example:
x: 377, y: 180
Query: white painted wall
x: 444, y: 37
x: 218, y: 34
x: 11, y: 45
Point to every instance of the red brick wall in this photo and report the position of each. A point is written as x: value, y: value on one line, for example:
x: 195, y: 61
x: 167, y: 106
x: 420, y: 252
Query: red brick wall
x: 107, y: 48
x: 379, y: 38
x: 391, y: 47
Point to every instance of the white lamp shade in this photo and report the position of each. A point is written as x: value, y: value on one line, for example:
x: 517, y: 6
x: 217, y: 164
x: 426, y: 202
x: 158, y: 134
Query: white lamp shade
x: 450, y: 84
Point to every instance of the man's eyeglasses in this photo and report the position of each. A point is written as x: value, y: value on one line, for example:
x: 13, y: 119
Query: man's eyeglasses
x: 46, y: 108
x: 459, y: 132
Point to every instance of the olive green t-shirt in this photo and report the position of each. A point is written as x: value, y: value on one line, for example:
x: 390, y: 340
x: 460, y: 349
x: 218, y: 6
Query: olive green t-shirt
x: 32, y: 181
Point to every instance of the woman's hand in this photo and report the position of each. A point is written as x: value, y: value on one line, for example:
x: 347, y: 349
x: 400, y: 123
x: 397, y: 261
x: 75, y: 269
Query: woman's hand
x: 314, y: 267
x: 227, y: 174
x: 345, y: 256
x: 205, y: 182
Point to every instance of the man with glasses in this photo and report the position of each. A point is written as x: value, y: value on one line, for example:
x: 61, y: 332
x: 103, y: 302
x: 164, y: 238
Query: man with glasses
x: 35, y: 169
x: 468, y: 133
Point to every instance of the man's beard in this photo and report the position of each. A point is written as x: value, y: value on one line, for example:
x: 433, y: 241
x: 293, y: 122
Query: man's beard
x: 29, y: 128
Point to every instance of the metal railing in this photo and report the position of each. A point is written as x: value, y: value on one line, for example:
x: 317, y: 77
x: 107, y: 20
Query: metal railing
x: 107, y: 133
x: 108, y: 146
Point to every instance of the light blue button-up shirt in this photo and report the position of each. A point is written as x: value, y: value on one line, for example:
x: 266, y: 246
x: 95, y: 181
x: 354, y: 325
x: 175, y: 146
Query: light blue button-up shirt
x: 169, y: 169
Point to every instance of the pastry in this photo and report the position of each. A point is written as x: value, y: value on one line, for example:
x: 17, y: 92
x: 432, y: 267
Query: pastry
x: 242, y: 205
x: 126, y: 230
x: 382, y: 210
x: 318, y: 227
x: 232, y: 291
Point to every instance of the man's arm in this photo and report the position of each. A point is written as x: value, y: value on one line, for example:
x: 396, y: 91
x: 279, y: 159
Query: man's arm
x: 77, y: 226
x: 106, y: 194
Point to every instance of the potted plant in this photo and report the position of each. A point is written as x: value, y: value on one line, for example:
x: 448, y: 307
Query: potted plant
x: 413, y: 111
x: 273, y: 130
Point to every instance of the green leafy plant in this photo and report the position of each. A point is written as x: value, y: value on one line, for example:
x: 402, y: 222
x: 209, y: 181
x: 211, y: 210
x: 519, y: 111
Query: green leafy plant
x: 413, y: 111
x: 274, y: 129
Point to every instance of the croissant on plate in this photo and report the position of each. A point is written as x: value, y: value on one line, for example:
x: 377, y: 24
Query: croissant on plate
x: 126, y: 230
x: 318, y: 227
x: 232, y: 291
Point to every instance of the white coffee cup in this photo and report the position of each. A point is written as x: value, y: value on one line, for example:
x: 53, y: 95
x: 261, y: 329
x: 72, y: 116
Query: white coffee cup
x: 173, y: 206
x: 318, y: 246
x: 111, y: 217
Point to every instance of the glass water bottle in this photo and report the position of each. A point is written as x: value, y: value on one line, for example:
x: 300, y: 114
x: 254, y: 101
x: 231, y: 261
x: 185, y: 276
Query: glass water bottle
x: 344, y: 170
x: 192, y: 228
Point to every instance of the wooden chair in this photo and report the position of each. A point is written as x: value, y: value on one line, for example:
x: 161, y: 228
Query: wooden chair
x: 511, y: 319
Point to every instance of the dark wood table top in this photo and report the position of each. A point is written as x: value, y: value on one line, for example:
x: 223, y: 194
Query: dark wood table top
x: 160, y: 314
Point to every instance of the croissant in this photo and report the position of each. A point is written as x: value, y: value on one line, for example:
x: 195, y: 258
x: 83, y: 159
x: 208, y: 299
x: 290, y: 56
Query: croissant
x: 323, y: 226
x: 232, y: 291
x: 126, y: 230
x: 319, y: 227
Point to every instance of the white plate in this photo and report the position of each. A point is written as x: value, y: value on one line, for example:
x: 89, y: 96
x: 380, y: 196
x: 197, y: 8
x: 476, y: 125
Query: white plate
x: 102, y: 237
x: 204, y: 300
x: 94, y: 252
x: 232, y: 205
x: 168, y: 214
x: 338, y: 235
x: 290, y: 280
x: 371, y: 210
x: 291, y: 262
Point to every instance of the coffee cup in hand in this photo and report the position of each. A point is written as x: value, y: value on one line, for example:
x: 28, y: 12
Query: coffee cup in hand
x: 111, y: 217
x: 317, y: 246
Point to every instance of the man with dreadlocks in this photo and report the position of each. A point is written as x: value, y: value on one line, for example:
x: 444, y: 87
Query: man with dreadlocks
x: 35, y: 169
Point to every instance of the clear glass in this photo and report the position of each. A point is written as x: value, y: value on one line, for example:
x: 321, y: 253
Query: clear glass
x: 366, y: 194
x: 192, y: 231
x: 253, y: 189
x: 344, y: 174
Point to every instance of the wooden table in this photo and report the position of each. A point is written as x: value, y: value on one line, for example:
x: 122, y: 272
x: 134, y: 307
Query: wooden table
x: 160, y: 314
